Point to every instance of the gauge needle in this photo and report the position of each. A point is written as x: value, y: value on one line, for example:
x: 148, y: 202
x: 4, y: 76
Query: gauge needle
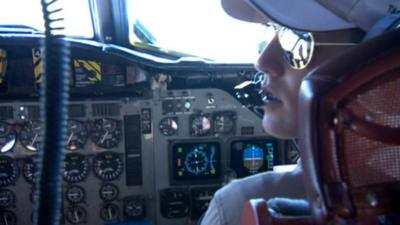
x: 34, y: 139
x: 76, y: 215
x: 70, y: 137
x: 109, y: 213
x: 104, y: 137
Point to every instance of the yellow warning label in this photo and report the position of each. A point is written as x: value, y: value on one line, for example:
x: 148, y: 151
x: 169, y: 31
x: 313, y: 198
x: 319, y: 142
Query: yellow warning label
x: 37, y: 64
x: 3, y: 64
x: 91, y: 69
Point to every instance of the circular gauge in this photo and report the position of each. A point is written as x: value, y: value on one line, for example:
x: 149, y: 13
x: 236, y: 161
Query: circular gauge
x: 107, y: 166
x: 168, y: 126
x: 76, y: 214
x: 106, y: 133
x: 7, y: 198
x: 29, y: 170
x: 174, y: 203
x: 201, y: 198
x: 77, y: 135
x: 30, y: 135
x: 109, y: 192
x: 109, y: 212
x: 196, y: 161
x: 8, y: 171
x: 293, y: 156
x: 201, y: 125
x: 134, y: 208
x: 292, y: 153
x: 7, y: 217
x: 224, y: 123
x: 253, y: 158
x: 8, y: 137
x: 76, y: 168
x: 75, y: 194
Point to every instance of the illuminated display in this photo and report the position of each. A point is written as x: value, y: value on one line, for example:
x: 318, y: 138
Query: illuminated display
x: 196, y: 161
x: 253, y: 156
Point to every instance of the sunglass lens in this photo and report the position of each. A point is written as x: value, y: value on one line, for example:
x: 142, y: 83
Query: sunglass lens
x: 297, y: 47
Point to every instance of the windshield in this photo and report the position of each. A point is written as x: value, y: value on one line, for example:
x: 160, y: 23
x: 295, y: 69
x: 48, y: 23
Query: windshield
x: 78, y: 22
x: 196, y: 27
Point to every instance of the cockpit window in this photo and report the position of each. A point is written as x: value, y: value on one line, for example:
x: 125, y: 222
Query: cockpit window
x: 27, y: 14
x: 194, y: 27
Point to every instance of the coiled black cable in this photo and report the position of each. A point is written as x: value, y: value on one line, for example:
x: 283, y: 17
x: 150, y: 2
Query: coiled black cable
x: 53, y: 109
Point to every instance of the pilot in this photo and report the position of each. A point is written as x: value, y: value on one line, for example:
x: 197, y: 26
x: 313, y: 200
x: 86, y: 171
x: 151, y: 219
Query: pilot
x: 284, y: 62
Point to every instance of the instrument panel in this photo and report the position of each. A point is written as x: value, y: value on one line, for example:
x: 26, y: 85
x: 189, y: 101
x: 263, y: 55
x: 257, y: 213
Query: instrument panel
x: 136, y: 149
x: 97, y: 184
x: 116, y: 171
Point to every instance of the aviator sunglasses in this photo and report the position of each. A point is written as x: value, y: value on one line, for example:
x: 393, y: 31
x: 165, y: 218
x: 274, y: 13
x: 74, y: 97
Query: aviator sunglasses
x: 297, y: 50
x: 298, y: 46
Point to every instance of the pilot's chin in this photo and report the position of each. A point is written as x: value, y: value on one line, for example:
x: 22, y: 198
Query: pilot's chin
x: 274, y: 128
x: 272, y: 106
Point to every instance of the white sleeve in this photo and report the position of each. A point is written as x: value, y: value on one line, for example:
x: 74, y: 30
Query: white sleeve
x: 226, y: 206
x: 213, y: 214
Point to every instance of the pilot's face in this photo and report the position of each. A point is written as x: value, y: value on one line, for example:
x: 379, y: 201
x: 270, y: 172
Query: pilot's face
x: 282, y: 84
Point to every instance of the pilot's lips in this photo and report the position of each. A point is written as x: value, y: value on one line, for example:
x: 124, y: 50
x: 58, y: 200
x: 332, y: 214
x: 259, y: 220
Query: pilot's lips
x: 270, y: 102
x: 268, y: 97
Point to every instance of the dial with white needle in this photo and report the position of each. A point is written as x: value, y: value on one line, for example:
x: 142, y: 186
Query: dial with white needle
x: 77, y: 135
x: 30, y: 135
x: 106, y: 133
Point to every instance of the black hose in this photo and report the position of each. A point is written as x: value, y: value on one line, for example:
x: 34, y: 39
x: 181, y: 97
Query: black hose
x: 53, y: 109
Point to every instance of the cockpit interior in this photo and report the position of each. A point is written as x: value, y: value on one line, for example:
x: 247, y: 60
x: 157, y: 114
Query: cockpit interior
x: 150, y: 134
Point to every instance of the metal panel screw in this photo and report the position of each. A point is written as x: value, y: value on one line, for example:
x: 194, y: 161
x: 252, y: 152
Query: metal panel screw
x: 371, y: 199
x: 335, y: 120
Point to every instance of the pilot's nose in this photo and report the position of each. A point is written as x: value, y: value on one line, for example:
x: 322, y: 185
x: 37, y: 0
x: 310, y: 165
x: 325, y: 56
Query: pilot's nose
x: 271, y: 61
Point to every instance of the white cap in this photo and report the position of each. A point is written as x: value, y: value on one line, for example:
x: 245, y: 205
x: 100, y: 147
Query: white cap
x: 313, y: 15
